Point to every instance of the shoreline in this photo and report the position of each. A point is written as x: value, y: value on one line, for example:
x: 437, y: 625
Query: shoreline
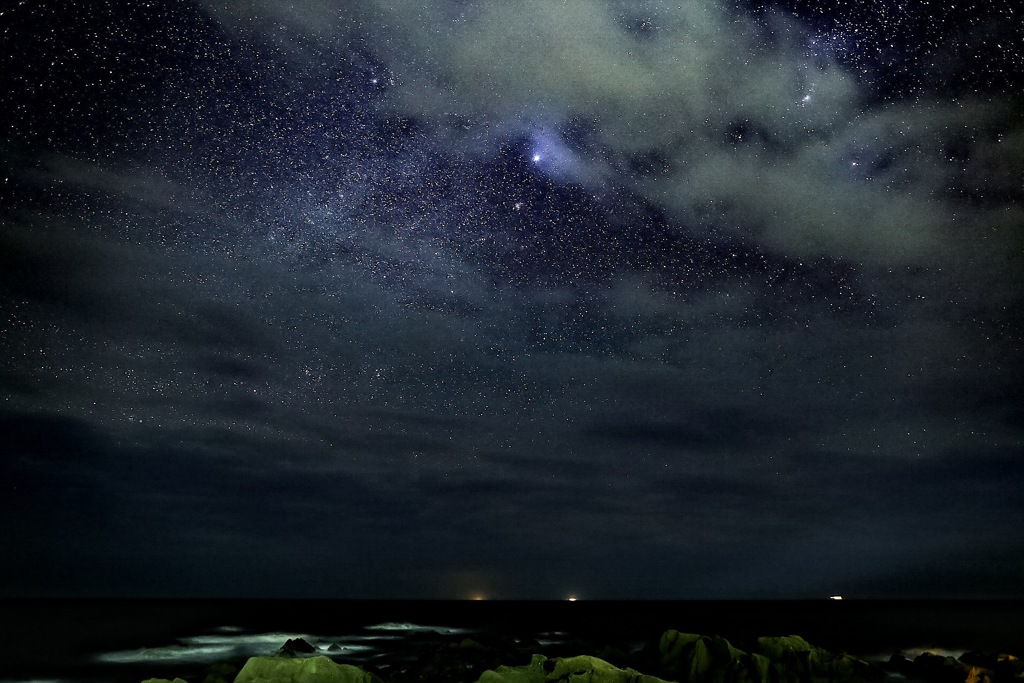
x: 61, y: 638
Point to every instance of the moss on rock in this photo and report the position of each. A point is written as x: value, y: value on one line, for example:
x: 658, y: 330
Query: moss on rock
x: 310, y: 670
x: 692, y: 658
x: 797, y: 661
x: 582, y: 669
x: 707, y: 659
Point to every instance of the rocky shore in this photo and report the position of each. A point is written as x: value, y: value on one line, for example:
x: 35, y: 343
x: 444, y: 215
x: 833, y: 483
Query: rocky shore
x: 674, y: 657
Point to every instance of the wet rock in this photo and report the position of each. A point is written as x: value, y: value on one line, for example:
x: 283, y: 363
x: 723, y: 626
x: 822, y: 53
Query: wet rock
x: 939, y: 669
x: 971, y: 667
x: 1002, y: 666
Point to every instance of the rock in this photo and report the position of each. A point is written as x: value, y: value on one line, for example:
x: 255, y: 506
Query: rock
x: 939, y: 669
x: 303, y: 670
x: 617, y: 656
x: 789, y: 659
x: 221, y: 672
x: 453, y: 658
x: 672, y: 646
x: 163, y: 680
x: 971, y: 667
x: 1002, y: 666
x: 582, y: 669
x: 469, y: 644
x: 899, y: 664
x: 779, y: 649
x: 704, y: 659
x: 797, y: 661
x: 294, y: 647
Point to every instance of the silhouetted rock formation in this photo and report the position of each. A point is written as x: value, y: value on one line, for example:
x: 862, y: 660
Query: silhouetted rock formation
x: 294, y: 647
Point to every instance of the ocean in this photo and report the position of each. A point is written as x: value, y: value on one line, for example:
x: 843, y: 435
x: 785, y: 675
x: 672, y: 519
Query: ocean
x: 88, y: 641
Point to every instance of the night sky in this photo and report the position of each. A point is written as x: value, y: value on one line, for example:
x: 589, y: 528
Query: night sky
x: 514, y: 298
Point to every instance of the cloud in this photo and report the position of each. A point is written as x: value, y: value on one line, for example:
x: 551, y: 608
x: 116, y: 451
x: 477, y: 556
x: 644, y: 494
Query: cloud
x: 752, y: 130
x: 808, y: 300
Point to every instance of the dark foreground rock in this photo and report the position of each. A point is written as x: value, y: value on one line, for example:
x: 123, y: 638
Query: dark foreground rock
x: 971, y: 667
x: 454, y: 660
x: 1004, y: 666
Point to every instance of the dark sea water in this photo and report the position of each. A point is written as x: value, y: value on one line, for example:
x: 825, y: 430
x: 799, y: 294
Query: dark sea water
x: 128, y: 640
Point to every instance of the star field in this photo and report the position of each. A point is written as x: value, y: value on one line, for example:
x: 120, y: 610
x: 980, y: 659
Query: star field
x: 908, y: 49
x: 375, y: 295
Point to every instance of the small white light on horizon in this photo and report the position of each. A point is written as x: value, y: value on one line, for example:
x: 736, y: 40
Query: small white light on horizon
x: 835, y: 597
x: 572, y: 598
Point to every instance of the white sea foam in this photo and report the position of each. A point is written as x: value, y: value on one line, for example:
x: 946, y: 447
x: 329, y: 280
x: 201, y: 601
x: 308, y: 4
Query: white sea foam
x: 912, y: 652
x: 179, y: 653
x: 414, y: 628
x: 220, y: 645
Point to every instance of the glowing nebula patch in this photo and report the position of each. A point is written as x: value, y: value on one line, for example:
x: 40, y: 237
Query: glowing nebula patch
x: 549, y: 153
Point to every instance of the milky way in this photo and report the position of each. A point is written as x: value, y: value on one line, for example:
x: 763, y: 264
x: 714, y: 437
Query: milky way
x: 427, y: 299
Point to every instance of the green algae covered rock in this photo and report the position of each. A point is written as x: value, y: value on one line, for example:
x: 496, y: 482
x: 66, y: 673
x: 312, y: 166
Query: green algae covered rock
x: 692, y: 658
x: 163, y: 680
x: 780, y: 648
x: 708, y: 659
x: 531, y: 673
x: 309, y: 670
x: 684, y: 654
x: 797, y: 661
x: 582, y: 669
